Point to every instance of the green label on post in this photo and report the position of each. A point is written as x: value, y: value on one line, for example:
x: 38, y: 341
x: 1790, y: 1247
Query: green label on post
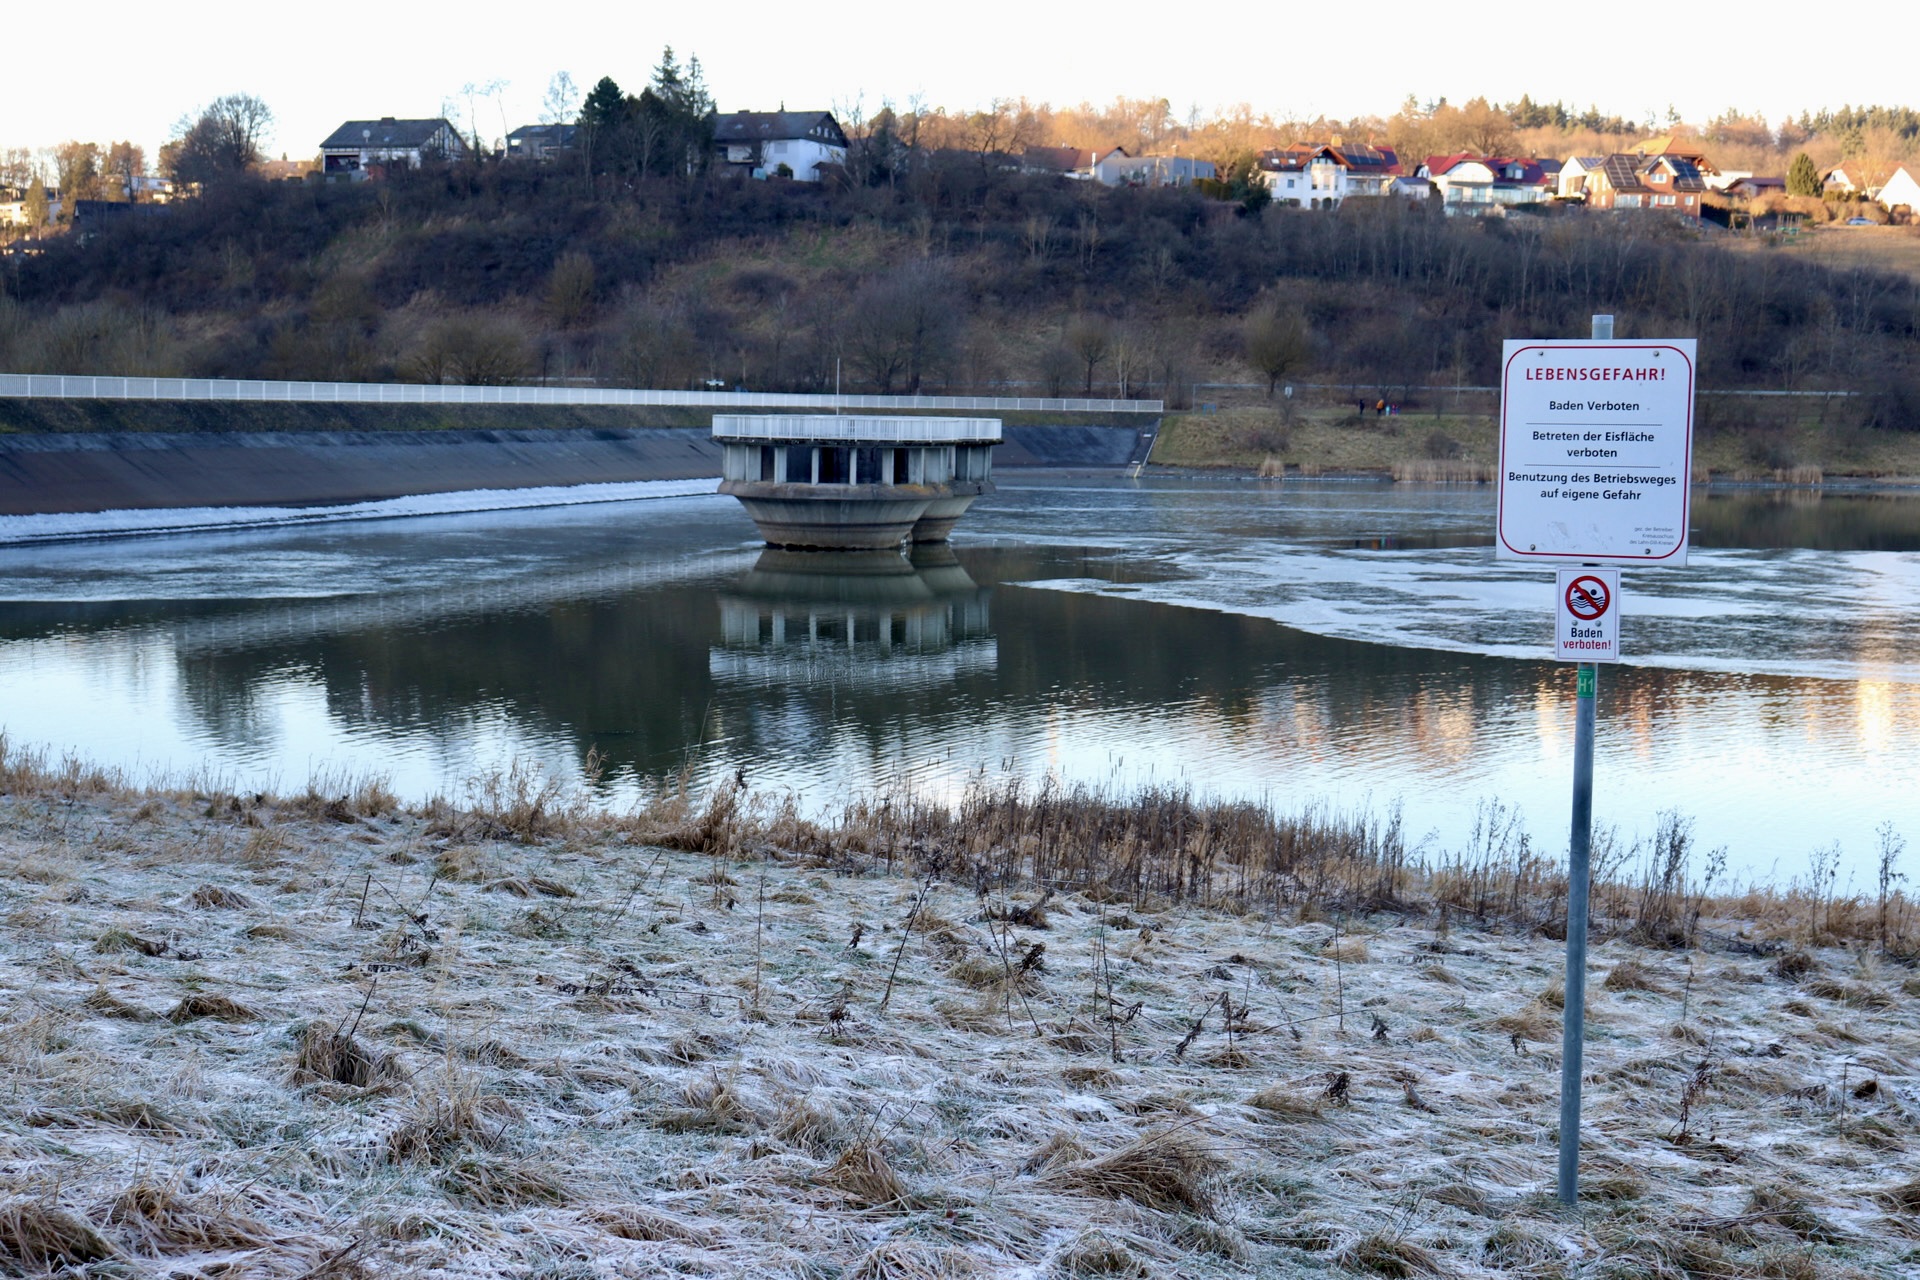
x: 1586, y: 680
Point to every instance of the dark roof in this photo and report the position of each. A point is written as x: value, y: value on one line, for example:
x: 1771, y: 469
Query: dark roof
x: 775, y: 126
x: 1626, y: 173
x: 1059, y: 159
x: 386, y: 132
x: 554, y: 135
x: 1686, y: 171
x: 1351, y: 157
x: 1377, y: 159
x: 1622, y: 173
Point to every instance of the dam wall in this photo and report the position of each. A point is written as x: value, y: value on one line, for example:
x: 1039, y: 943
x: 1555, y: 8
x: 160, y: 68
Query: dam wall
x: 45, y: 472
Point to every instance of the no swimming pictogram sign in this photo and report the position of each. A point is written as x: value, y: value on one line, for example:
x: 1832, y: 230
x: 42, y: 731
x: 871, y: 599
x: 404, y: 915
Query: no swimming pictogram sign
x: 1587, y: 628
x: 1587, y: 597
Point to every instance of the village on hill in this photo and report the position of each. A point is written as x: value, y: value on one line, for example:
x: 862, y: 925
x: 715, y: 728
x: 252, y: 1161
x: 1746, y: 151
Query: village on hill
x: 673, y: 125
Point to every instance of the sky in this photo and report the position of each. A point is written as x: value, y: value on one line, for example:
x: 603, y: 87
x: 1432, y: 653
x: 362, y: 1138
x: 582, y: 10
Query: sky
x: 137, y: 68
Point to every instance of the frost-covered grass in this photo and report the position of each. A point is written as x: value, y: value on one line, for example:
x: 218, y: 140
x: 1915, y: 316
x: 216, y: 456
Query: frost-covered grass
x: 322, y: 1036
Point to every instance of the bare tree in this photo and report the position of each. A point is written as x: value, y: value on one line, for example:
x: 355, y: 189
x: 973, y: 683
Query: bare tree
x: 570, y: 290
x: 1090, y: 338
x: 903, y: 325
x: 562, y: 103
x: 222, y: 143
x: 1276, y: 343
x: 126, y: 164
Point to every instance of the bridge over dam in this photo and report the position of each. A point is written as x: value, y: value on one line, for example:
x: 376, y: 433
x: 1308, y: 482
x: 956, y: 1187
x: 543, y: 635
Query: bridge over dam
x: 88, y: 444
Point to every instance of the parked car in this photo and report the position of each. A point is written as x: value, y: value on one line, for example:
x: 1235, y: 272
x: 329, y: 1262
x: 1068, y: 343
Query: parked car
x: 1859, y: 222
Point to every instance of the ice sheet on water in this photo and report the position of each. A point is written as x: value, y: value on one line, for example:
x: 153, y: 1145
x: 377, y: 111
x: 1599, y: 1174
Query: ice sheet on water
x: 71, y: 526
x: 1826, y: 614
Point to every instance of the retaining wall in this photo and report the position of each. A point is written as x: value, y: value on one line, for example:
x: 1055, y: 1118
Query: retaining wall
x: 107, y: 470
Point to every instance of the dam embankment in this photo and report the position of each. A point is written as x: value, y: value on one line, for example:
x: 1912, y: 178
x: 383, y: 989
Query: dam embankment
x: 65, y: 457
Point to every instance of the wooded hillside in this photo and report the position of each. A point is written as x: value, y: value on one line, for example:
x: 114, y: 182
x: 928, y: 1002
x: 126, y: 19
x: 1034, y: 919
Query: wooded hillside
x: 958, y: 278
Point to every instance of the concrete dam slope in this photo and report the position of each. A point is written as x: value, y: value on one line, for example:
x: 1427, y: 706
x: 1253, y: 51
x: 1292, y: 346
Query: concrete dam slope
x: 106, y: 471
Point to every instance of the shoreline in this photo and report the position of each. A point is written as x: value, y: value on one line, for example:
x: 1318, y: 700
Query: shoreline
x: 324, y: 1035
x: 1890, y: 485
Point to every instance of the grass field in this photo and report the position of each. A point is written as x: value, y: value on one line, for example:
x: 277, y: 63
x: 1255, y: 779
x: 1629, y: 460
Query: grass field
x: 1795, y: 441
x: 1051, y: 1035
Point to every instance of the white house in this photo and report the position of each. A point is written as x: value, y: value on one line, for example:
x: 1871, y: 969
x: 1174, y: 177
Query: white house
x: 1472, y: 184
x: 1900, y: 189
x: 761, y: 143
x: 1318, y: 176
x: 1572, y: 183
x: 359, y: 145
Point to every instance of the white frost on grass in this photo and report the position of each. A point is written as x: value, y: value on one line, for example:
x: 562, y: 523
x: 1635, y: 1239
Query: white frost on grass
x: 71, y: 526
x: 443, y: 1054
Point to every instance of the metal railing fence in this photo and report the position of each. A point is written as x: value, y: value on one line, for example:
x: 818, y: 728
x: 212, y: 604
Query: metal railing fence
x: 90, y: 387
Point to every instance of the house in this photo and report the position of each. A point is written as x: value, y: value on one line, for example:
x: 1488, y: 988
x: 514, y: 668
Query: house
x: 1118, y: 169
x: 1470, y: 184
x: 540, y: 141
x: 359, y: 146
x: 1750, y: 187
x: 1852, y: 178
x: 1322, y: 175
x: 1900, y: 189
x: 1064, y: 162
x: 1572, y: 182
x: 1668, y: 182
x: 763, y: 143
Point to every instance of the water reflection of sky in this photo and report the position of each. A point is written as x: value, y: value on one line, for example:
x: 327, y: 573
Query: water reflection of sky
x: 1109, y: 633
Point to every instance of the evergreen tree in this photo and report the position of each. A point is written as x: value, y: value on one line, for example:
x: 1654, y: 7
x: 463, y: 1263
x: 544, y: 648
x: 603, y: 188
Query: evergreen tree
x: 38, y: 209
x: 1803, y: 176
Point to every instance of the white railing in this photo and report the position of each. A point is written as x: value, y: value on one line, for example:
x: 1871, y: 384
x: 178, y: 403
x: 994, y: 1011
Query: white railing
x: 75, y: 387
x: 857, y: 428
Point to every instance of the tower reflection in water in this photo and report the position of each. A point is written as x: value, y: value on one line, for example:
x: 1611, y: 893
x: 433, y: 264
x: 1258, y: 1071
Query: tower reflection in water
x: 876, y: 619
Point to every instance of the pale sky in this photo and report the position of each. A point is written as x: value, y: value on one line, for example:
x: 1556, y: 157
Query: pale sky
x: 116, y: 69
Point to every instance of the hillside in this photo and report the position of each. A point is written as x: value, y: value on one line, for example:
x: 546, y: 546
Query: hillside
x: 960, y: 280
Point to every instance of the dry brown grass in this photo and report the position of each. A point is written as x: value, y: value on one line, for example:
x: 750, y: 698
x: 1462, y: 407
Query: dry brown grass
x: 1172, y: 1170
x: 210, y: 897
x: 1442, y: 471
x: 1386, y: 1254
x: 1631, y: 975
x: 326, y: 1053
x: 865, y: 1176
x: 488, y: 1181
x: 640, y: 1222
x: 158, y: 1218
x: 211, y: 1005
x: 40, y: 1235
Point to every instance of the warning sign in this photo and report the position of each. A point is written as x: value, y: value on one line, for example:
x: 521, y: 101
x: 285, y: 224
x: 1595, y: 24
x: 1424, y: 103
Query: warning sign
x: 1587, y: 625
x: 1596, y: 451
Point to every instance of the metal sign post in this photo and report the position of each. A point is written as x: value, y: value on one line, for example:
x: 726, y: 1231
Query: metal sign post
x: 1596, y: 460
x: 1573, y: 1022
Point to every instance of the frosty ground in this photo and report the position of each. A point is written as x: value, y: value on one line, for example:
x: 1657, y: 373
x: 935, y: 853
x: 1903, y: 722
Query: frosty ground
x: 329, y: 1036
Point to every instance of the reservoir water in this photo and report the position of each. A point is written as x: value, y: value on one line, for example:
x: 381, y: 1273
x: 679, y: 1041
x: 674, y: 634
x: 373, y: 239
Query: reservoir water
x: 1336, y: 644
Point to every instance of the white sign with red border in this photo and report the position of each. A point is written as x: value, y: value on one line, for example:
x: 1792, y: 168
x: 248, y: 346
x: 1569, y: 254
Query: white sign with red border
x: 1596, y: 451
x: 1586, y: 625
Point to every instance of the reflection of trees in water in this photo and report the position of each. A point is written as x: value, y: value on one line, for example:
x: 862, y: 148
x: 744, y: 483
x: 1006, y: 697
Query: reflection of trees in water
x: 627, y: 673
x: 1808, y: 519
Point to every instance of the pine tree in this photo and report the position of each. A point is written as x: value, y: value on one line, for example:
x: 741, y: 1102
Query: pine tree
x: 1803, y: 176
